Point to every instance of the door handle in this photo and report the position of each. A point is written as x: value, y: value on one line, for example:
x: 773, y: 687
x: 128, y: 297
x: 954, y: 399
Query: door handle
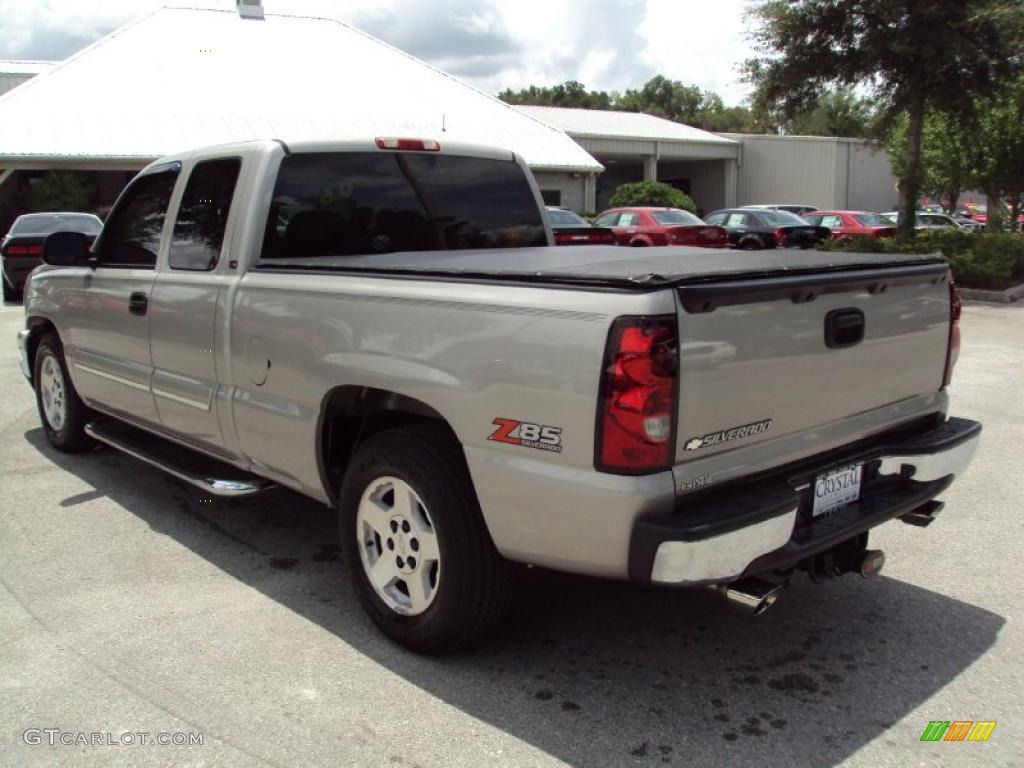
x: 138, y: 303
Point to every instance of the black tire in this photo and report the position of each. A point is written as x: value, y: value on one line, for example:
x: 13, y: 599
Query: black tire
x: 70, y: 437
x: 474, y: 582
x: 751, y: 244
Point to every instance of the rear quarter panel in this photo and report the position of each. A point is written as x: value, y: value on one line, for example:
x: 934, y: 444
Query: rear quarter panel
x: 474, y: 353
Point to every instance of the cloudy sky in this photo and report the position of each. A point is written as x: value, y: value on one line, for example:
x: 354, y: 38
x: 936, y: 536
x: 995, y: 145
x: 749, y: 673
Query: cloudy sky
x: 606, y: 44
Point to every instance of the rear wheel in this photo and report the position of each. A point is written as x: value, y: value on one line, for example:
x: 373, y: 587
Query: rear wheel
x: 424, y: 566
x: 62, y: 412
x: 751, y: 244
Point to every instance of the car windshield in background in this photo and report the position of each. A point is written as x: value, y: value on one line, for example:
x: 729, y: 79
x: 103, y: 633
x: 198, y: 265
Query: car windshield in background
x: 872, y: 220
x: 348, y: 204
x: 783, y: 219
x: 45, y: 223
x: 675, y: 218
x: 563, y: 218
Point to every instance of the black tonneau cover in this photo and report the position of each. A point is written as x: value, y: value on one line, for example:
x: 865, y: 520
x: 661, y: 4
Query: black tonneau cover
x: 613, y: 266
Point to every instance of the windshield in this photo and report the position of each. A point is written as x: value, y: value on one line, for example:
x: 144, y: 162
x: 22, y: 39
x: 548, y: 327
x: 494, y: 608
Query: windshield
x: 358, y: 203
x: 783, y: 219
x: 871, y: 220
x: 45, y: 223
x: 675, y: 217
x: 562, y: 218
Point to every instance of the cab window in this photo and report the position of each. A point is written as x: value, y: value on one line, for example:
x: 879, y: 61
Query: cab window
x: 131, y: 238
x: 203, y: 215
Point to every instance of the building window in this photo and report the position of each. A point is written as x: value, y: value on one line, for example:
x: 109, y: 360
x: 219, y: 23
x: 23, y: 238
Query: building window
x: 551, y: 196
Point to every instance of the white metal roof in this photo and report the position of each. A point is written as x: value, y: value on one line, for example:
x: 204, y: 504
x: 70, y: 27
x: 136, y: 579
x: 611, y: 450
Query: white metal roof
x: 25, y: 66
x: 601, y: 123
x: 181, y: 78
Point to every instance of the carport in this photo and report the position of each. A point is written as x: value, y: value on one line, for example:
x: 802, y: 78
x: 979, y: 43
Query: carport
x: 636, y: 147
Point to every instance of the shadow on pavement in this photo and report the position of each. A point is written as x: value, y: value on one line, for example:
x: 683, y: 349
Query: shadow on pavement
x: 600, y: 673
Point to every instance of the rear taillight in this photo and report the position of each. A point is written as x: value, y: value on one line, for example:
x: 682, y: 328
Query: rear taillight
x: 953, y: 348
x: 23, y: 250
x: 636, y: 420
x: 606, y: 238
x: 421, y: 145
x: 780, y: 236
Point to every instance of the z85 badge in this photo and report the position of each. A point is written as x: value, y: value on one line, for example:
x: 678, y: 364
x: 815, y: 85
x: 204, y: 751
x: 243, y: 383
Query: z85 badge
x: 514, y: 432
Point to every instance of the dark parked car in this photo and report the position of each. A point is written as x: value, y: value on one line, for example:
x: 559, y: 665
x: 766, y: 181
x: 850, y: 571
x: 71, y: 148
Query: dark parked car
x: 661, y: 226
x: 572, y: 229
x: 21, y: 246
x: 800, y: 209
x: 755, y: 228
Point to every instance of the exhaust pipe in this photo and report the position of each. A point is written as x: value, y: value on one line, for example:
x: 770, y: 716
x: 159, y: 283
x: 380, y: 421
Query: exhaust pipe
x: 756, y: 595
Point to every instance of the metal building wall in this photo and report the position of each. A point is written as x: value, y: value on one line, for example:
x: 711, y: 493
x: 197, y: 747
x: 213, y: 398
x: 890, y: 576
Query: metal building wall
x: 783, y: 169
x: 872, y: 184
x: 572, y: 189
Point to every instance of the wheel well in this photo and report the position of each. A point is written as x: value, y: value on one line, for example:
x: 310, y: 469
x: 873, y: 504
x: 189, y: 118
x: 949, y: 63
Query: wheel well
x: 351, y: 414
x: 639, y: 242
x: 40, y: 327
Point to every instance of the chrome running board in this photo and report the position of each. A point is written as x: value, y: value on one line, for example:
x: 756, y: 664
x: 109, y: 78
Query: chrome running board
x: 212, y: 475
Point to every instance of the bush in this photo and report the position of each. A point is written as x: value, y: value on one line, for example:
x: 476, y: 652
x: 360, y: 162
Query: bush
x: 978, y: 260
x: 654, y: 193
x: 60, y: 191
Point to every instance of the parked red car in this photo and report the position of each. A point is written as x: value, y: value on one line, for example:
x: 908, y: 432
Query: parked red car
x: 846, y: 224
x: 661, y: 226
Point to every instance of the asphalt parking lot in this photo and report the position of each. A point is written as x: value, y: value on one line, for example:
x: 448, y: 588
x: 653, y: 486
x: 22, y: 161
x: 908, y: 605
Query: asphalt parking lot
x: 129, y: 604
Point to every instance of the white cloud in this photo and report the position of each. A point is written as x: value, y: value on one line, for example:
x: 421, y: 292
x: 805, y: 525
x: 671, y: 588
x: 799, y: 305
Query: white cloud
x: 606, y: 44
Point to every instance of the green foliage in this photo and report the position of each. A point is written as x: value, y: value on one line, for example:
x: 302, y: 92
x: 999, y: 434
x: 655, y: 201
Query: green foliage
x: 999, y: 149
x: 653, y: 193
x: 571, y: 94
x: 659, y: 96
x: 60, y: 191
x: 912, y: 57
x: 948, y: 148
x: 836, y: 112
x: 978, y: 260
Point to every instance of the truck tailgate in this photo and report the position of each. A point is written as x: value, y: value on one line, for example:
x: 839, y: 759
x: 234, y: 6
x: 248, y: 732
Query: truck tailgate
x: 784, y: 356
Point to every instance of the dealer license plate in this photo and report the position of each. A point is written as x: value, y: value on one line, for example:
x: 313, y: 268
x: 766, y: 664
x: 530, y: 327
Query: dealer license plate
x: 834, y: 490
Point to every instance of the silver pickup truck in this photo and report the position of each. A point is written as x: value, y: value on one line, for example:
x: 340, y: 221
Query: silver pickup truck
x: 386, y: 327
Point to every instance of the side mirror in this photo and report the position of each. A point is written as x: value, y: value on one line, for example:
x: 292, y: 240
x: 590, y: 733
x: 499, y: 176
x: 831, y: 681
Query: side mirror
x: 65, y: 249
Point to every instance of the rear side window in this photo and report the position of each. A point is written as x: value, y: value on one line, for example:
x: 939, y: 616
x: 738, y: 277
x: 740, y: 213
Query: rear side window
x: 560, y: 218
x: 736, y: 220
x: 131, y: 237
x: 357, y: 203
x: 607, y: 220
x: 676, y: 218
x: 203, y: 215
x: 45, y: 223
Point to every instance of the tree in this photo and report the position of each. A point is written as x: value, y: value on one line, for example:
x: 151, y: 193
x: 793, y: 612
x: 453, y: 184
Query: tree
x: 571, y: 94
x: 948, y: 157
x: 1000, y: 150
x: 654, y: 193
x: 60, y: 191
x: 838, y: 112
x: 911, y: 55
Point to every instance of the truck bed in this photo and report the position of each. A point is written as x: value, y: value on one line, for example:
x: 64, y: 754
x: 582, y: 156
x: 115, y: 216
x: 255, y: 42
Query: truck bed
x: 608, y: 266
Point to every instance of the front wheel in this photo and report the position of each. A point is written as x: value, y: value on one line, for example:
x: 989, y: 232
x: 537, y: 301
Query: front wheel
x: 423, y: 563
x: 62, y: 412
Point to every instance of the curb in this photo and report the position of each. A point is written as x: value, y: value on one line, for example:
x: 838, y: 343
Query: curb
x: 1014, y: 293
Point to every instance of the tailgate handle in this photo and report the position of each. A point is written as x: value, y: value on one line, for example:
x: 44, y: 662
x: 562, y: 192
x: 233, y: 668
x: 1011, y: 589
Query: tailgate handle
x: 844, y: 328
